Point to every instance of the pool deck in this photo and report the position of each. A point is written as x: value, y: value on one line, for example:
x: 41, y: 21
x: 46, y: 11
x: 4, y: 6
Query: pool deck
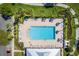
x: 24, y: 37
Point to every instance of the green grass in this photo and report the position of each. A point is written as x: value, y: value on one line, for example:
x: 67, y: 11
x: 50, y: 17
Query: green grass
x: 18, y: 53
x: 34, y: 11
x: 75, y: 6
x: 76, y: 53
x: 73, y: 33
x: 21, y: 10
x: 4, y: 37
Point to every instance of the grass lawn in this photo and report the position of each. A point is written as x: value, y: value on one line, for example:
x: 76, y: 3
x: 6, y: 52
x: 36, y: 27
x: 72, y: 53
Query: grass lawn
x: 18, y: 53
x: 76, y: 53
x: 73, y: 33
x: 4, y: 37
x: 75, y: 6
x: 34, y: 11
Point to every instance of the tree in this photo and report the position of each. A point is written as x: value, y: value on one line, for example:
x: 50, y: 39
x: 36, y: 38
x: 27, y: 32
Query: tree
x: 68, y: 49
x: 13, y: 4
x: 6, y: 10
x: 8, y: 25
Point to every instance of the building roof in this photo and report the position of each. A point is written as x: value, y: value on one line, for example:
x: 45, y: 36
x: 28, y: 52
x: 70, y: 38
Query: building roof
x: 76, y: 21
x: 77, y: 34
x: 42, y: 52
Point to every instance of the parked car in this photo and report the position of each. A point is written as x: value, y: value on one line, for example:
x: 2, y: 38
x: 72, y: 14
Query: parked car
x: 6, y: 17
x: 77, y: 44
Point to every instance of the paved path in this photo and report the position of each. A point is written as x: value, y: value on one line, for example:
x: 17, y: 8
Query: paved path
x: 3, y: 51
x: 62, y: 5
x: 35, y: 4
x: 13, y: 37
x: 18, y: 51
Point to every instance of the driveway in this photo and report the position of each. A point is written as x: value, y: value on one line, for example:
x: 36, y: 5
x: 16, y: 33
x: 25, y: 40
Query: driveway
x: 3, y: 51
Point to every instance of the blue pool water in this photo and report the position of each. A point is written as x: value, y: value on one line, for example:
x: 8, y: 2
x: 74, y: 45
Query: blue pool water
x: 42, y: 32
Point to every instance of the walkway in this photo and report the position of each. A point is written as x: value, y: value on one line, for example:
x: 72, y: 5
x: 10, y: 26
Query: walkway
x: 18, y: 51
x: 35, y: 4
x: 13, y: 37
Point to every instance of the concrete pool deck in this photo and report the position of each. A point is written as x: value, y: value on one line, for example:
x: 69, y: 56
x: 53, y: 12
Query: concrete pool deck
x: 24, y: 37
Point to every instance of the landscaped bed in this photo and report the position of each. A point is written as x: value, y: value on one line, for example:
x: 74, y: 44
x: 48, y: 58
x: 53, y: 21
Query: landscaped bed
x: 65, y: 28
x: 18, y: 53
x: 18, y: 46
x: 69, y: 33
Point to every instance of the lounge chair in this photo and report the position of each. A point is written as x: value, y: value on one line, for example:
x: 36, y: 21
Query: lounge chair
x: 58, y: 40
x: 57, y: 32
x: 51, y: 20
x: 57, y: 24
x: 61, y: 41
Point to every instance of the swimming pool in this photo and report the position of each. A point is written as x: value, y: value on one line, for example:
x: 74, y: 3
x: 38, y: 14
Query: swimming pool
x: 42, y: 32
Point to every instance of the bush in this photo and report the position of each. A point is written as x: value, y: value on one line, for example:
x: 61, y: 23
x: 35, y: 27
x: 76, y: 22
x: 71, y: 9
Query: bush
x: 6, y: 10
x: 18, y: 53
x: 10, y: 37
x: 69, y: 49
x: 76, y: 53
x: 66, y: 53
